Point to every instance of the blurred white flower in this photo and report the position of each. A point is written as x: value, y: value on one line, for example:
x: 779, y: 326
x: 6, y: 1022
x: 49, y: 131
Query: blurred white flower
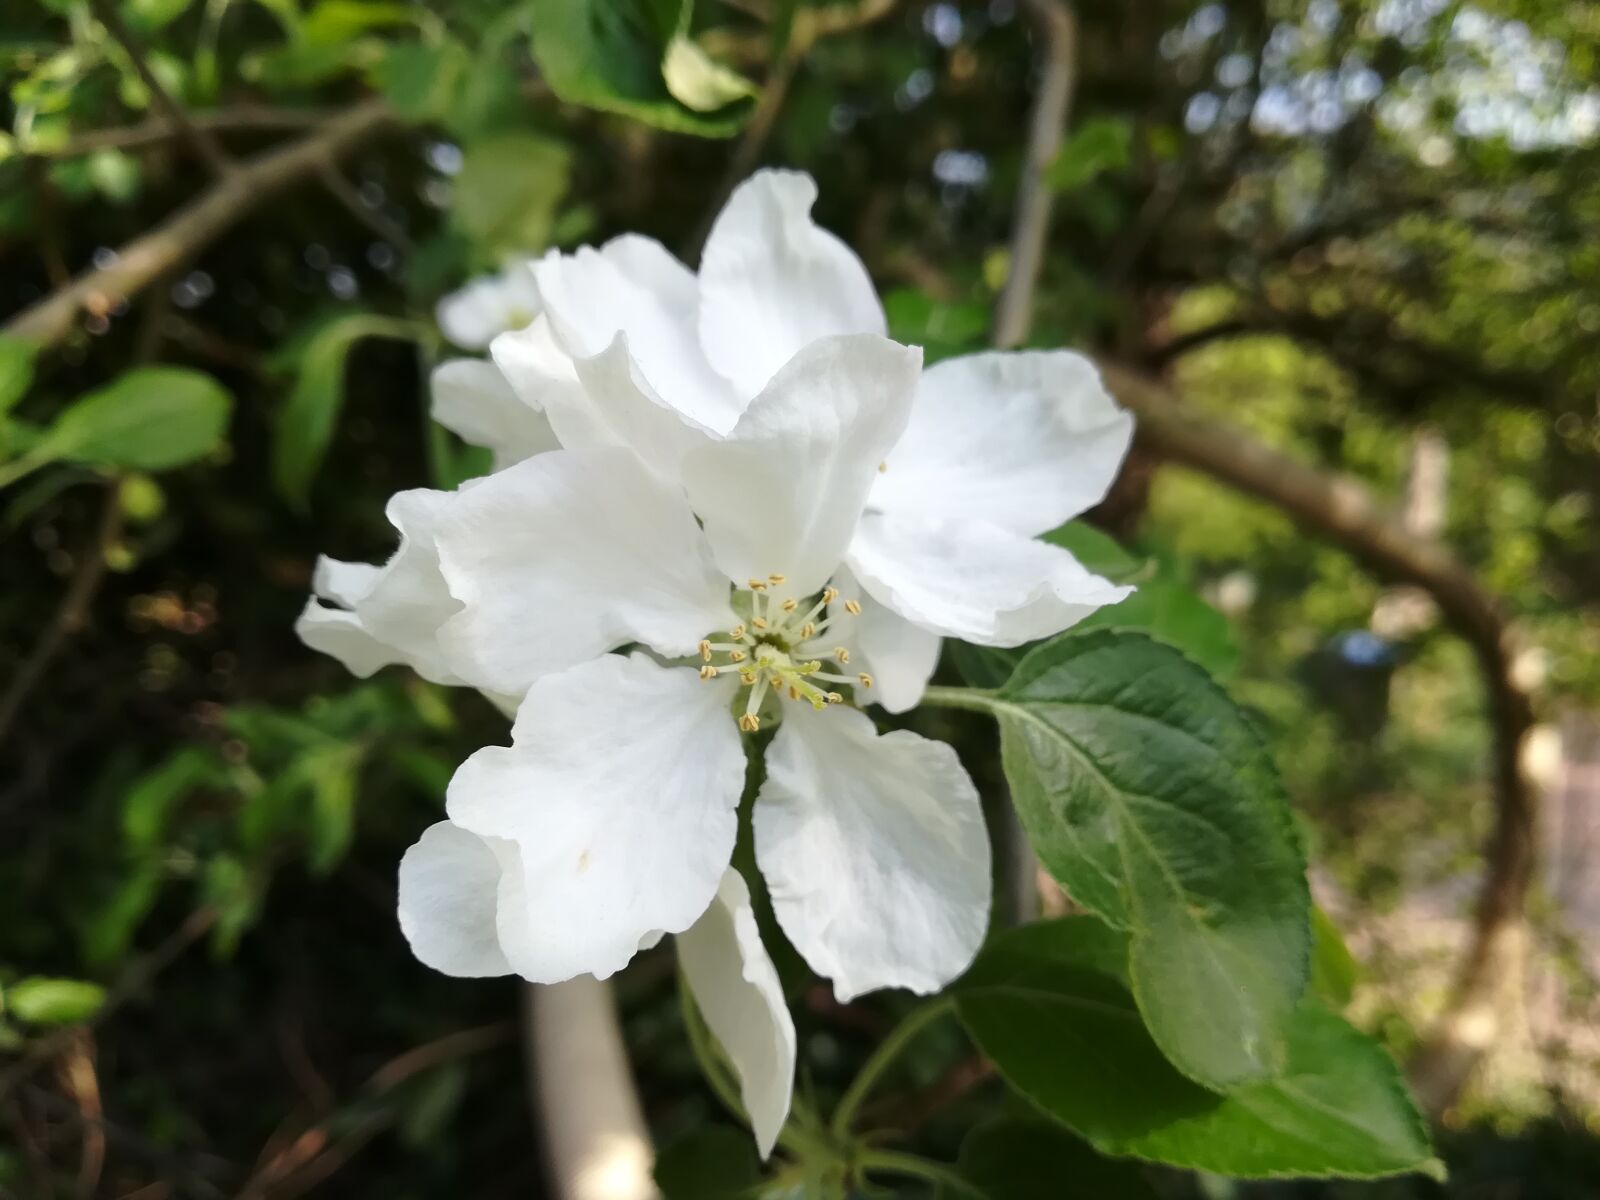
x: 474, y: 314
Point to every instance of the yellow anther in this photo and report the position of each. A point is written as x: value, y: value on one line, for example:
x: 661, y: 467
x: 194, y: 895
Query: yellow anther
x: 835, y: 698
x: 829, y: 595
x: 708, y: 672
x: 790, y: 604
x: 882, y: 467
x: 750, y: 722
x: 841, y: 653
x: 758, y: 585
x: 737, y: 655
x: 853, y: 607
x: 759, y: 622
x: 747, y: 678
x: 736, y: 632
x: 807, y: 630
x: 778, y: 578
x: 866, y: 680
x: 705, y: 651
x: 794, y: 692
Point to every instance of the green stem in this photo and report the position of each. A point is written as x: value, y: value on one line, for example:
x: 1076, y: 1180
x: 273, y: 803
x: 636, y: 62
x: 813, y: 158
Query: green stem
x: 23, y: 464
x: 971, y: 699
x: 920, y: 1168
x: 888, y: 1050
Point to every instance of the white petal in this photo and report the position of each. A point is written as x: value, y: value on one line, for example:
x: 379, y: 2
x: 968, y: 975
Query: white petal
x: 1023, y: 440
x: 344, y: 583
x: 783, y: 493
x: 542, y: 375
x: 736, y: 988
x: 408, y: 602
x: 874, y: 851
x: 899, y: 656
x: 341, y: 635
x: 633, y: 285
x: 973, y: 580
x: 474, y: 399
x: 772, y: 281
x: 620, y: 791
x: 568, y: 555
x: 635, y: 416
x: 471, y: 316
x: 449, y: 882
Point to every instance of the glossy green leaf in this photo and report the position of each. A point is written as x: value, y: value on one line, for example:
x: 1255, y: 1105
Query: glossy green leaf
x: 508, y: 190
x: 609, y: 54
x: 42, y: 1001
x: 420, y: 81
x: 1151, y: 798
x: 149, y: 419
x: 715, y: 1162
x: 1033, y: 1159
x: 1049, y: 1004
x: 306, y: 421
x: 16, y: 370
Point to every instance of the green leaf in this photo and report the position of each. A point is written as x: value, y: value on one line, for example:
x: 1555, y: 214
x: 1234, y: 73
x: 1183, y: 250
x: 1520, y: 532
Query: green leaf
x: 421, y: 81
x: 333, y: 777
x: 609, y: 54
x: 229, y: 887
x: 16, y: 370
x: 1033, y: 1159
x: 1333, y: 967
x: 1151, y: 798
x: 715, y: 1162
x: 1049, y: 1004
x: 1097, y: 550
x: 508, y: 189
x: 150, y: 801
x: 1098, y: 145
x: 1170, y: 612
x: 431, y: 1104
x: 150, y: 419
x: 151, y: 16
x: 334, y: 22
x: 41, y: 1001
x: 306, y: 422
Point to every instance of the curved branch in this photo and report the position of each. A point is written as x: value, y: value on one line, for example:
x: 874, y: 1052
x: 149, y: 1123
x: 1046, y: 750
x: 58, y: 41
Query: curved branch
x: 1030, y: 227
x: 249, y: 118
x: 1345, y: 512
x: 188, y: 231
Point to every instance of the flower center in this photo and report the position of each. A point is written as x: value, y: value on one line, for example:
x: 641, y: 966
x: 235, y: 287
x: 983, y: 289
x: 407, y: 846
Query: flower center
x: 782, y: 648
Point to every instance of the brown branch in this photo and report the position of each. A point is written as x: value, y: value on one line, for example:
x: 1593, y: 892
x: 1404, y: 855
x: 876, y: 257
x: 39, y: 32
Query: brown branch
x: 248, y: 118
x: 73, y: 611
x: 1345, y: 512
x: 381, y: 226
x: 1030, y: 226
x: 203, y: 143
x: 188, y: 231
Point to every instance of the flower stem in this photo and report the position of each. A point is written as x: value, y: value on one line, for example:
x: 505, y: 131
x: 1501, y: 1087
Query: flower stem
x: 971, y: 699
x: 920, y: 1168
x: 888, y: 1050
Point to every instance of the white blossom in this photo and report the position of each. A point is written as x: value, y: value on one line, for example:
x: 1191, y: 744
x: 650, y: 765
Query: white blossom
x: 471, y: 316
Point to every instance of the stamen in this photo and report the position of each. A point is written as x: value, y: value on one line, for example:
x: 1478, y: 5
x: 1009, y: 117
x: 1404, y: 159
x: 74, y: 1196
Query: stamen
x: 758, y: 585
x: 794, y: 692
x: 705, y: 651
x: 808, y: 630
x: 708, y: 672
x: 882, y: 467
x: 737, y: 655
x: 790, y: 604
x: 747, y: 678
x: 866, y: 680
x: 835, y: 698
x: 853, y: 607
x: 750, y: 723
x: 777, y: 579
x: 841, y: 653
x: 736, y: 633
x: 829, y: 595
x: 759, y: 622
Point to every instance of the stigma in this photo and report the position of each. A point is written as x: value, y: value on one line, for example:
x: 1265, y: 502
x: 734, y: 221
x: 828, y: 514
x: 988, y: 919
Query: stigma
x: 781, y: 648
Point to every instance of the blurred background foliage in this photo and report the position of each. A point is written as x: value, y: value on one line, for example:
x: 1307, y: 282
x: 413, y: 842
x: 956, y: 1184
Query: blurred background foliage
x: 1360, y: 230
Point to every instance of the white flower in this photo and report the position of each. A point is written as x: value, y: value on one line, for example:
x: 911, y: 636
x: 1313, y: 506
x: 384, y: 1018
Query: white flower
x: 783, y: 513
x: 471, y: 316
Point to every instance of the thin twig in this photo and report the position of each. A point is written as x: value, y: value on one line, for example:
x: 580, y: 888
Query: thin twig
x: 248, y: 118
x: 73, y: 611
x: 384, y: 229
x: 1030, y: 227
x: 192, y: 228
x: 210, y: 152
